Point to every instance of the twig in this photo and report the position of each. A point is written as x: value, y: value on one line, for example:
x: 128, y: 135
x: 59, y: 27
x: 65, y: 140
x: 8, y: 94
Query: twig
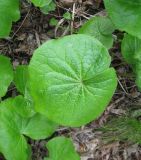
x: 122, y: 87
x: 21, y: 24
x: 73, y: 15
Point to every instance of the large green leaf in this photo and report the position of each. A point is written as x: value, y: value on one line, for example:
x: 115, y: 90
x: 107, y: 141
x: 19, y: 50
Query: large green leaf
x: 41, y: 3
x: 101, y: 28
x: 6, y: 74
x: 9, y: 12
x: 126, y: 15
x: 21, y: 78
x: 61, y: 148
x: 131, y: 51
x: 13, y: 127
x: 70, y: 79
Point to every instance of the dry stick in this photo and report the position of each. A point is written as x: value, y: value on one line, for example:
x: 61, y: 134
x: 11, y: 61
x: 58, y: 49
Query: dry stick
x: 21, y: 24
x: 62, y: 129
x: 69, y: 10
x: 57, y: 26
x: 73, y: 15
x: 85, y: 16
x: 90, y: 15
x: 113, y: 105
x: 37, y: 39
x: 63, y: 8
x: 122, y: 86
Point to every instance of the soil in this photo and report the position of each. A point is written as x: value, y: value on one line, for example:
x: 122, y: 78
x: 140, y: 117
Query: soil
x: 30, y: 32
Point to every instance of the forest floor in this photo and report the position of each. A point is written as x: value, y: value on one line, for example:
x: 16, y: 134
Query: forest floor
x: 30, y: 32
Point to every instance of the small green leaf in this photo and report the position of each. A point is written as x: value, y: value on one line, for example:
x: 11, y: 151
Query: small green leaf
x: 72, y: 77
x: 9, y: 12
x: 21, y: 78
x: 126, y: 15
x: 61, y: 148
x: 67, y: 16
x: 41, y: 3
x: 48, y: 8
x: 6, y: 74
x: 53, y: 22
x: 13, y: 127
x: 131, y: 51
x: 101, y: 28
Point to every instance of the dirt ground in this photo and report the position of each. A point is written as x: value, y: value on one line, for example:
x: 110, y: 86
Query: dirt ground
x: 30, y: 32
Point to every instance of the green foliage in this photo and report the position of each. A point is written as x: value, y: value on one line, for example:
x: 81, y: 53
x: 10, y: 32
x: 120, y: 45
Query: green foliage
x: 41, y: 3
x: 21, y: 81
x: 9, y: 12
x: 17, y: 115
x: 122, y: 129
x: 74, y: 76
x: 48, y: 8
x: 53, y: 22
x: 67, y: 16
x: 101, y: 28
x: 13, y: 127
x: 6, y: 74
x: 21, y: 78
x: 72, y: 83
x: 26, y: 108
x: 126, y: 15
x: 131, y: 51
x: 61, y: 148
x: 69, y: 81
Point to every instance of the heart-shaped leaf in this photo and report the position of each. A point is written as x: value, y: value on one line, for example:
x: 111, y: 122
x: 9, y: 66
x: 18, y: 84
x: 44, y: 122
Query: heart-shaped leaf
x: 101, y: 28
x: 70, y: 79
x: 131, y: 51
x: 6, y: 74
x: 9, y: 12
x: 13, y: 127
x: 61, y: 148
x: 126, y: 15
